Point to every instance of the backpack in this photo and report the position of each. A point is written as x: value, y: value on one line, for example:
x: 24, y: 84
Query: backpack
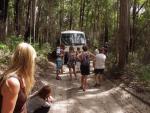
x: 58, y: 51
x: 85, y: 59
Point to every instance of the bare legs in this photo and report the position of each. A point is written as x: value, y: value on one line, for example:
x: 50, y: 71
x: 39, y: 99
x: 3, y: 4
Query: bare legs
x: 74, y: 72
x: 70, y: 73
x: 57, y: 75
x: 84, y: 82
x: 98, y: 79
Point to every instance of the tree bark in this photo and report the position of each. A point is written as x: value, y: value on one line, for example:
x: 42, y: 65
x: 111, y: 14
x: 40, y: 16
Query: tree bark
x: 123, y: 33
x: 71, y: 16
x: 3, y: 17
x: 106, y: 25
x: 82, y: 8
x: 61, y: 5
x: 27, y: 26
x: 34, y: 19
x: 16, y: 17
x: 132, y: 38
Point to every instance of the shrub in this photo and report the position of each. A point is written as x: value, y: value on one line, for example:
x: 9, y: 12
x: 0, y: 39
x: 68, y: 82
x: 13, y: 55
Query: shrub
x: 144, y: 73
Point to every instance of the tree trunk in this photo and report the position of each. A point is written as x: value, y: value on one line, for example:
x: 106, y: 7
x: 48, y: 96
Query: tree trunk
x: 86, y: 22
x: 61, y: 9
x: 60, y: 20
x: 132, y: 39
x: 34, y: 19
x: 71, y: 16
x: 27, y: 26
x: 123, y: 33
x: 3, y: 17
x: 82, y: 8
x: 80, y: 14
x: 16, y: 17
x: 106, y: 32
x: 106, y: 26
x: 38, y: 26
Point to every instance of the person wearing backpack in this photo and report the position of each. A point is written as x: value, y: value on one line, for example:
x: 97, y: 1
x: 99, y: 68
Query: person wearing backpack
x: 71, y: 62
x: 84, y: 57
x: 59, y: 62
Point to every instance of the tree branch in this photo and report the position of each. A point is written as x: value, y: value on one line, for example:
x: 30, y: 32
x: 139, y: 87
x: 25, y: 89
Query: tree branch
x: 141, y: 7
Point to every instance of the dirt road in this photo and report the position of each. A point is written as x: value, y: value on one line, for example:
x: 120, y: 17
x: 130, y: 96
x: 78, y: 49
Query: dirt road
x: 107, y: 98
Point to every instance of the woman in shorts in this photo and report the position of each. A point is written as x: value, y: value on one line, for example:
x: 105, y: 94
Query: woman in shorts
x: 85, y: 66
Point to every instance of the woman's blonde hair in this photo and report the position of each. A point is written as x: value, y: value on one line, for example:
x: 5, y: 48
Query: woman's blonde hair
x: 23, y: 64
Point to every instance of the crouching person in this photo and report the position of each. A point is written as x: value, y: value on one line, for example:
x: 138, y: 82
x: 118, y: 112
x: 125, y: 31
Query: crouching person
x: 41, y: 101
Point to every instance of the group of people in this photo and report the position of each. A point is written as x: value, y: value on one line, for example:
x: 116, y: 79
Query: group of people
x: 18, y: 80
x: 80, y: 60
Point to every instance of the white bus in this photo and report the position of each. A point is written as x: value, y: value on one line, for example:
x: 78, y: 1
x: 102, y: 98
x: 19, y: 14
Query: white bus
x: 73, y: 38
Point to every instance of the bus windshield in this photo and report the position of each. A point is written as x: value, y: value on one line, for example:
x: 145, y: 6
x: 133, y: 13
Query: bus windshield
x: 73, y: 39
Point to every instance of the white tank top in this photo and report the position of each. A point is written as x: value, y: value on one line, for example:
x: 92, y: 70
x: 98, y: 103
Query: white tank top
x: 100, y: 61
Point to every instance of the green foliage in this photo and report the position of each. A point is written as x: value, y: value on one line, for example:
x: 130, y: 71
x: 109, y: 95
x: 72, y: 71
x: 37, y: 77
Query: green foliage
x: 4, y: 53
x: 11, y: 9
x: 6, y: 49
x: 95, y: 43
x: 3, y: 46
x: 44, y: 50
x: 133, y: 57
x: 13, y: 41
x: 143, y: 72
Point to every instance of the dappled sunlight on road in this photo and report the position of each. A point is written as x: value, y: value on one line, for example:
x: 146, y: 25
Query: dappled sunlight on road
x: 107, y: 98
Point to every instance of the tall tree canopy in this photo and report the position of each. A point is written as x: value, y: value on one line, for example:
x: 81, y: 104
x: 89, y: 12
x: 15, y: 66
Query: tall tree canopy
x: 122, y: 23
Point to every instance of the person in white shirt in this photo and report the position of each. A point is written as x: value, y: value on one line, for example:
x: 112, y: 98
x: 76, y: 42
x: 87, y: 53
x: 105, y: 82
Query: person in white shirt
x: 96, y: 51
x: 99, y: 67
x: 78, y: 60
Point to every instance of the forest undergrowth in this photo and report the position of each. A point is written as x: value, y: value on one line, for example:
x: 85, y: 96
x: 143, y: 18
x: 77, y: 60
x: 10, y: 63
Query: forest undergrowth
x: 135, y: 75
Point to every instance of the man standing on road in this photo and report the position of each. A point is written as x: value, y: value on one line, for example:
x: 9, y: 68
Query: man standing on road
x: 99, y: 67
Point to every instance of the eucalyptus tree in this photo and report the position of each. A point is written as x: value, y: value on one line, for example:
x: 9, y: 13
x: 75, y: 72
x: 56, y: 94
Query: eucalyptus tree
x: 123, y: 37
x: 3, y: 17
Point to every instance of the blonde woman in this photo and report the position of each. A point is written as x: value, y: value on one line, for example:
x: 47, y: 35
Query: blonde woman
x: 18, y: 80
